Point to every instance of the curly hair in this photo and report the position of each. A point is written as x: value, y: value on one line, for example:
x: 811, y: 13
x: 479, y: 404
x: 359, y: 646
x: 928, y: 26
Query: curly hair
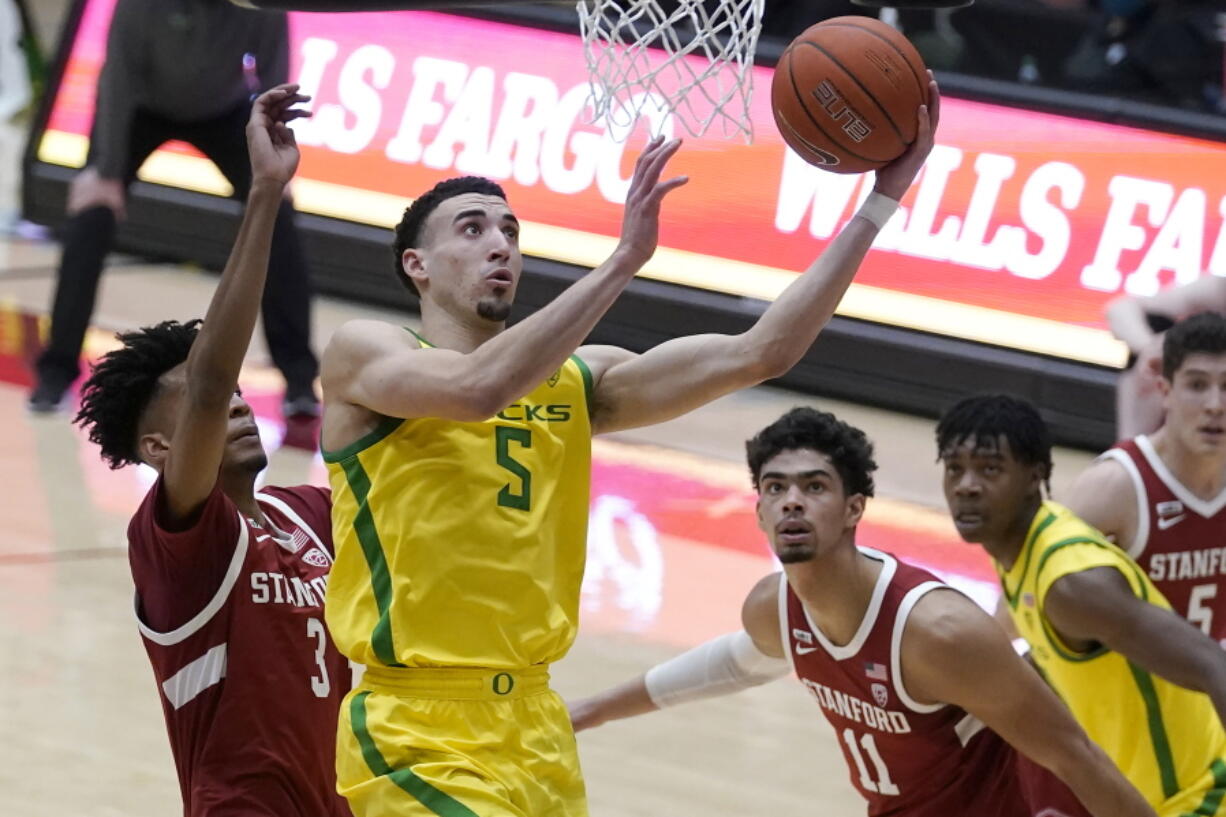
x: 985, y: 418
x: 1203, y: 333
x: 408, y: 231
x: 123, y: 382
x: 848, y: 448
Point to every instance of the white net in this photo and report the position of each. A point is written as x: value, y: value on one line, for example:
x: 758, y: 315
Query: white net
x: 691, y: 59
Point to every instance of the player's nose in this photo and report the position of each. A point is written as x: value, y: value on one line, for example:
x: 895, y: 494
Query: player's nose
x: 239, y: 407
x: 967, y: 484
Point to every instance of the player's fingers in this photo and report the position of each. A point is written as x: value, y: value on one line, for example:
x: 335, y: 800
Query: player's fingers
x: 934, y: 101
x: 664, y: 188
x: 278, y: 107
x: 646, y: 153
x: 655, y: 165
x: 642, y: 168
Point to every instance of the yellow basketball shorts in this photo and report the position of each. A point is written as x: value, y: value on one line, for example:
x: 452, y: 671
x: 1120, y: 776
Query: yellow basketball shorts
x: 1203, y: 799
x: 458, y: 743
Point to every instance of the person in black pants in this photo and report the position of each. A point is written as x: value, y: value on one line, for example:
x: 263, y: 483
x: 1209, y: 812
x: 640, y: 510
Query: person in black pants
x: 177, y: 69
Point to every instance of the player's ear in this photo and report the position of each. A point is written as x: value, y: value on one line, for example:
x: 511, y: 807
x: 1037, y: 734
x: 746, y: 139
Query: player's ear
x: 1038, y: 476
x: 413, y: 263
x: 152, y: 449
x: 854, y: 510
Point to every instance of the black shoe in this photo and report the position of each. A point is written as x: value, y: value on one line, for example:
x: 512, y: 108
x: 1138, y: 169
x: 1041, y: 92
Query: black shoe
x: 300, y: 405
x: 47, y: 398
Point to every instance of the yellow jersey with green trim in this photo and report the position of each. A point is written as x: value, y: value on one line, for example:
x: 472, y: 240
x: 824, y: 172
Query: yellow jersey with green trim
x: 463, y: 544
x: 1165, y: 739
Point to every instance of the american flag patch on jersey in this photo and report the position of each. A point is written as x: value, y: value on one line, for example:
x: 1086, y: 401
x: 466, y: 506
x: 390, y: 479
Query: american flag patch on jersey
x: 297, y: 541
x: 875, y: 671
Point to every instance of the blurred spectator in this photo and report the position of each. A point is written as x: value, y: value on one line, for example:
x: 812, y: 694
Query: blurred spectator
x: 15, y: 90
x: 1140, y: 322
x: 177, y: 69
x: 1166, y: 52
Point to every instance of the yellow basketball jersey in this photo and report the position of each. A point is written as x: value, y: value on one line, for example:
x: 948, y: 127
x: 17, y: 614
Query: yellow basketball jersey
x: 463, y: 544
x: 1164, y: 738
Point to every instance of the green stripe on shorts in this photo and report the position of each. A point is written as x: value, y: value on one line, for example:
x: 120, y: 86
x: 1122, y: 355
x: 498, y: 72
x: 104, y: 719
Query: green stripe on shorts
x: 1210, y: 806
x: 437, y: 801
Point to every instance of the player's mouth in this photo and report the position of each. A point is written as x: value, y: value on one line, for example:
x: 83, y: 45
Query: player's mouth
x: 501, y: 277
x: 968, y: 520
x: 793, y: 532
x: 1214, y: 433
x: 245, y: 432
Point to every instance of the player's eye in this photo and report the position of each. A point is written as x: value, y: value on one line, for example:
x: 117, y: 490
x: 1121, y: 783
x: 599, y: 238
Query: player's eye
x: 512, y: 233
x: 472, y: 228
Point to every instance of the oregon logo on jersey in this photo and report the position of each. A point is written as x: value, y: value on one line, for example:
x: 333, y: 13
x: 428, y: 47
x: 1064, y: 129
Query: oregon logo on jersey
x: 529, y: 413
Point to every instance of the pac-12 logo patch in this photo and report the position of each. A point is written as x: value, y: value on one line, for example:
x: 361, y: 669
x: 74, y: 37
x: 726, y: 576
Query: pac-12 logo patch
x: 316, y: 557
x: 802, y: 635
x: 881, y: 695
x: 554, y: 378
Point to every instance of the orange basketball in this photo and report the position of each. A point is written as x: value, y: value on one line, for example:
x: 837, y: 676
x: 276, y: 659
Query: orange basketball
x: 845, y: 94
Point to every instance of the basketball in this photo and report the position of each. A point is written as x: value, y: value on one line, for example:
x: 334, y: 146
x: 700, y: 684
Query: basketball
x: 845, y: 94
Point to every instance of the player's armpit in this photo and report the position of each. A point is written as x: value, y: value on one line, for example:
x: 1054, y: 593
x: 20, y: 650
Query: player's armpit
x: 953, y: 653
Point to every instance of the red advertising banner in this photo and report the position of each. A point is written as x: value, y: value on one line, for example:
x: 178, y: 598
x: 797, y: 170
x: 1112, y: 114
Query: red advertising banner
x: 1020, y: 228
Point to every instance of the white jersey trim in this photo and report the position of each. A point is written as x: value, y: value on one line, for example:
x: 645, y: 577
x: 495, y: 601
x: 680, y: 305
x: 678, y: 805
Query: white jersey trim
x: 285, y: 509
x: 1206, y: 508
x: 206, y: 671
x: 967, y: 728
x: 900, y: 623
x: 889, y: 566
x: 785, y: 629
x: 210, y: 609
x: 1140, y: 537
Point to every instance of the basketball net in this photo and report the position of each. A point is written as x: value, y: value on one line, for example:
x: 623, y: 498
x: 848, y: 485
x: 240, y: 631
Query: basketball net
x: 692, y: 59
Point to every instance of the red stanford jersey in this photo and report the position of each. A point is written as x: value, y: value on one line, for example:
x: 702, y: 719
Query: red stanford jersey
x: 232, y: 619
x: 1180, y: 540
x: 907, y: 759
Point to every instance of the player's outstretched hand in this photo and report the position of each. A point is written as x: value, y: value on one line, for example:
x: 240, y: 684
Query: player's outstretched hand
x: 274, y: 153
x: 641, y: 221
x: 894, y: 179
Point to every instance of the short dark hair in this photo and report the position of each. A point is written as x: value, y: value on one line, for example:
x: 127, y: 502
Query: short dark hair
x: 409, y: 230
x: 985, y: 418
x: 848, y: 448
x: 1202, y: 333
x: 122, y: 383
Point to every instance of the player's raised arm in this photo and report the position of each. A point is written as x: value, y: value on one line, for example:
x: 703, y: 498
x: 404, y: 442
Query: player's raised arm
x: 380, y: 372
x: 216, y: 357
x: 722, y: 666
x: 1126, y: 315
x: 1098, y: 607
x: 682, y: 374
x: 954, y: 653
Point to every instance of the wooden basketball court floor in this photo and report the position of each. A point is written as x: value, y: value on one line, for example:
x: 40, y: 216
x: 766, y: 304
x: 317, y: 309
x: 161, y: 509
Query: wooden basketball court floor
x: 673, y: 548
